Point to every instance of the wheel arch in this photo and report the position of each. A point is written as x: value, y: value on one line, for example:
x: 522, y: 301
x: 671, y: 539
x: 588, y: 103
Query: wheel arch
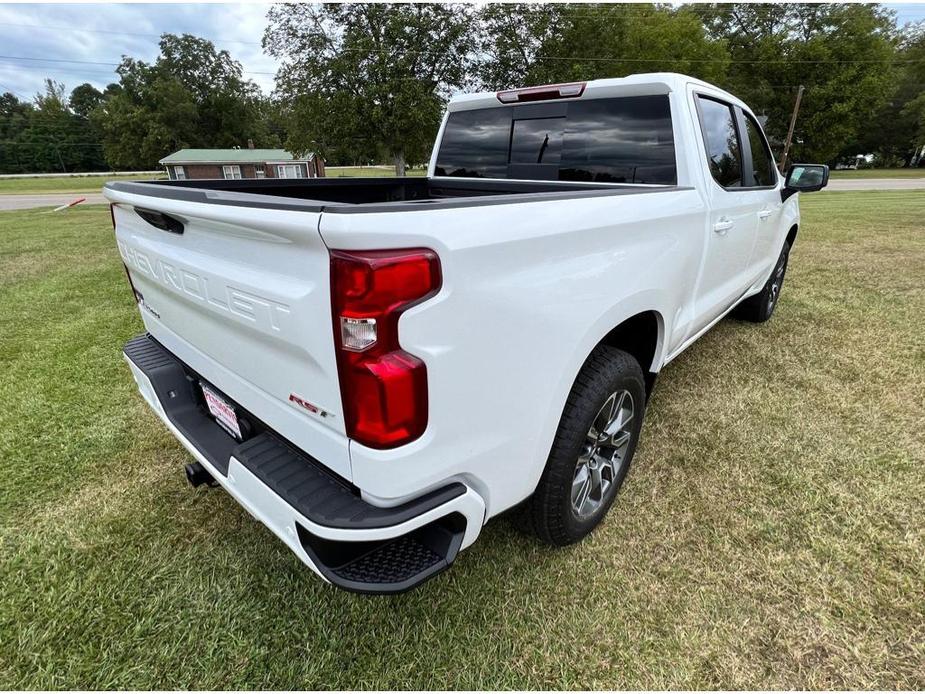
x: 637, y: 326
x: 792, y: 235
x: 642, y: 336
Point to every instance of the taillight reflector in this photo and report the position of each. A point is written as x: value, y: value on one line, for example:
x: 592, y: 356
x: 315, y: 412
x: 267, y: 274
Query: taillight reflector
x: 542, y: 93
x: 383, y: 387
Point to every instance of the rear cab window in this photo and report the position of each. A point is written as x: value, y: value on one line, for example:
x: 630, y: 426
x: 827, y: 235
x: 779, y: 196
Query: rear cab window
x: 615, y: 140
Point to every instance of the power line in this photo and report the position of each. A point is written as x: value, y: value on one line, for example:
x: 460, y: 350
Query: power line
x: 50, y: 144
x: 575, y: 9
x: 13, y: 91
x: 580, y: 10
x: 121, y: 33
x: 872, y: 61
x: 64, y: 68
x: 82, y: 128
x: 643, y: 60
x: 57, y: 60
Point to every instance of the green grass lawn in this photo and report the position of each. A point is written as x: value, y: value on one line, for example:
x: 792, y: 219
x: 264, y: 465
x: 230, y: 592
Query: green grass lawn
x: 918, y: 172
x: 771, y: 533
x: 76, y: 184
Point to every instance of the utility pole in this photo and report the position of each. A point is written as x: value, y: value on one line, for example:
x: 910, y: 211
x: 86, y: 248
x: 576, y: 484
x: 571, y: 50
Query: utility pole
x: 793, y: 122
x: 60, y: 159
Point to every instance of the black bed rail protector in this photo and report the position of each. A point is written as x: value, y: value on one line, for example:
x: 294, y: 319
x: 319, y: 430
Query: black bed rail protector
x: 365, y: 195
x: 300, y: 480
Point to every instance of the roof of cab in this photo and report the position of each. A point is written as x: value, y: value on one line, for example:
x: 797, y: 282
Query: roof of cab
x: 645, y: 83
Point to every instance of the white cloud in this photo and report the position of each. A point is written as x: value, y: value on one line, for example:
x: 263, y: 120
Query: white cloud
x: 103, y: 33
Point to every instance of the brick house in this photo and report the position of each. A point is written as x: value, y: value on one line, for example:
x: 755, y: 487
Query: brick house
x: 240, y: 163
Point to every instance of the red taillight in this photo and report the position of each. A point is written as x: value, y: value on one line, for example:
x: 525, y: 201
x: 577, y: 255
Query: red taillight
x: 542, y: 93
x: 383, y: 387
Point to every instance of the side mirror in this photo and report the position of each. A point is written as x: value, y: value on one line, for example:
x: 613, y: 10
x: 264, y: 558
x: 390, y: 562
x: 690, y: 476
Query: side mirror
x: 806, y: 178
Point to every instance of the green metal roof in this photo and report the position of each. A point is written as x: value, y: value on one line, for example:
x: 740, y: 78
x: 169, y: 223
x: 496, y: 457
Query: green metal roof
x: 234, y: 156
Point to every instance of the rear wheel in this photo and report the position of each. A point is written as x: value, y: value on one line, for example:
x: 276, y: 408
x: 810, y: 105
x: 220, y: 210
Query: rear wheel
x: 592, y: 451
x: 760, y: 307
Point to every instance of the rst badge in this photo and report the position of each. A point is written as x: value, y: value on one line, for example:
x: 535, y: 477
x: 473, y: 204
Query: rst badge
x: 306, y: 405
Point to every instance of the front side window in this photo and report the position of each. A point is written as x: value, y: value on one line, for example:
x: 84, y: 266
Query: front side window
x: 763, y: 169
x: 619, y: 140
x: 232, y: 171
x: 724, y: 155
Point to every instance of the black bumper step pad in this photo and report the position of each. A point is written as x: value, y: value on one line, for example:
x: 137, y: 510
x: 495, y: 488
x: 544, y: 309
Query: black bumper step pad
x: 391, y: 563
x: 387, y: 566
x: 177, y: 390
x: 323, y: 498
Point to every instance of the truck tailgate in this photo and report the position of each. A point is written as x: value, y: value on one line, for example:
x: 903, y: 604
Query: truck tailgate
x: 242, y: 296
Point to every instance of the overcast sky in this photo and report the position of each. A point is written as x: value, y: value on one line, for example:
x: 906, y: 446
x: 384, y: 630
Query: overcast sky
x: 104, y: 33
x: 101, y: 34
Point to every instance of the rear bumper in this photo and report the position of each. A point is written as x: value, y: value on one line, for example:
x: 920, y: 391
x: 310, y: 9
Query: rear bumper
x: 323, y: 519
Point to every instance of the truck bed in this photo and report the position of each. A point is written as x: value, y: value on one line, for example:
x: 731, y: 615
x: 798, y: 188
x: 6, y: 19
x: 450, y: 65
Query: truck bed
x: 384, y: 194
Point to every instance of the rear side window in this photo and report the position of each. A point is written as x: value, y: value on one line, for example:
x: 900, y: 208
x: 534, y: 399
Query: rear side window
x: 724, y: 155
x: 476, y: 144
x: 762, y: 164
x: 621, y: 140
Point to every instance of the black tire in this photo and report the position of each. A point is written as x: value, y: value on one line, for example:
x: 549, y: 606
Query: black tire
x: 549, y: 513
x: 760, y: 307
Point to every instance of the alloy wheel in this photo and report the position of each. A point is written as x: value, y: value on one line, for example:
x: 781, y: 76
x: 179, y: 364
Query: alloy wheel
x: 603, y: 455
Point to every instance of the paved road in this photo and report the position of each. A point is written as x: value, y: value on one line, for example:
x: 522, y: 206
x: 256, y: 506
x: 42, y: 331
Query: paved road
x: 50, y: 200
x: 25, y: 202
x: 876, y: 184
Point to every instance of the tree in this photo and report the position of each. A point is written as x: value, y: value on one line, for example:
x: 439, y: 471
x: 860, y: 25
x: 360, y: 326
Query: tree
x: 842, y: 53
x: 14, y: 119
x: 513, y: 39
x: 368, y: 80
x: 84, y: 98
x: 900, y: 131
x: 528, y: 44
x: 191, y: 96
x: 55, y: 139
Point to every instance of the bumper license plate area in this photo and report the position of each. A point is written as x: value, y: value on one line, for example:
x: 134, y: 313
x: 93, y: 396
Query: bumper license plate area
x: 222, y: 412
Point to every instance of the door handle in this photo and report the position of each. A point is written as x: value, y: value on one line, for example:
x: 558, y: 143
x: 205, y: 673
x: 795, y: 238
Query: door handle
x: 722, y: 226
x: 764, y: 214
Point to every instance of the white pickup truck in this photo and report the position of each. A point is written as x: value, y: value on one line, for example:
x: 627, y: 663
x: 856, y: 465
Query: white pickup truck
x: 375, y: 367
